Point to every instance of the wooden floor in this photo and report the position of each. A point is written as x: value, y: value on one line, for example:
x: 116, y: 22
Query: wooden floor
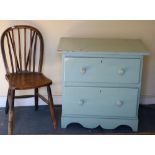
x: 27, y: 121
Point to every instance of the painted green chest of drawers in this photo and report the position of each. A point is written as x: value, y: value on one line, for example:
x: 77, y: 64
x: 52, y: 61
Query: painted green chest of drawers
x: 101, y: 81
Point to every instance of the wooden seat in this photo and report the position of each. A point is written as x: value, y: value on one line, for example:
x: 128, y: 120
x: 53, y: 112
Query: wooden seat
x: 27, y: 80
x: 22, y: 49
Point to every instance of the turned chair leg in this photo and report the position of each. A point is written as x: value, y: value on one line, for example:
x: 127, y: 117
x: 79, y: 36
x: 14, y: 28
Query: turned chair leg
x: 7, y: 103
x: 11, y: 111
x: 51, y: 107
x: 36, y: 98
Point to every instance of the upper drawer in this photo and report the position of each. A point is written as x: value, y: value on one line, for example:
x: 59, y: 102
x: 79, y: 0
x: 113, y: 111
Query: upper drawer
x: 109, y: 70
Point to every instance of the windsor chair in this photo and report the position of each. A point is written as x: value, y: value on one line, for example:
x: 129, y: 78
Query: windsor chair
x: 22, y: 49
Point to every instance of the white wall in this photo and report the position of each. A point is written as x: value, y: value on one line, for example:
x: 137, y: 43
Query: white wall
x: 53, y: 30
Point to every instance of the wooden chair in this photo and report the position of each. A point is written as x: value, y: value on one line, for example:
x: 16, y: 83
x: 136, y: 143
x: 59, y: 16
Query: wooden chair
x: 22, y: 49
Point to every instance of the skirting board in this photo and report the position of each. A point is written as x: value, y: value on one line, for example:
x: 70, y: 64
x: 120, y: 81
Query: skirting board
x: 58, y: 100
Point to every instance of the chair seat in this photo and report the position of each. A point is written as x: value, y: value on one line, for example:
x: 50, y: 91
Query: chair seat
x: 27, y: 80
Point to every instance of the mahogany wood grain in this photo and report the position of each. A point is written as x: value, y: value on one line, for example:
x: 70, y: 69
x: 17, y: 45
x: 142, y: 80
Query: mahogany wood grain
x: 11, y: 111
x: 51, y: 106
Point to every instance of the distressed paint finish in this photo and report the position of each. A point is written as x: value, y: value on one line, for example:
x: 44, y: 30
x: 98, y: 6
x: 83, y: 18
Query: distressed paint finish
x: 101, y: 81
x: 108, y: 70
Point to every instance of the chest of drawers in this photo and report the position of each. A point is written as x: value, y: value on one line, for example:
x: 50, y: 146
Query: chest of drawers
x: 101, y: 81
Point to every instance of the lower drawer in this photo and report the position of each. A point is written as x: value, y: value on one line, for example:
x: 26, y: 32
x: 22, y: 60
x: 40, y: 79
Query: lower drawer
x: 108, y: 102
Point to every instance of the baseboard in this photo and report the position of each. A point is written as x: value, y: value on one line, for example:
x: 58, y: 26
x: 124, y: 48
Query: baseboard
x: 29, y: 101
x: 146, y: 100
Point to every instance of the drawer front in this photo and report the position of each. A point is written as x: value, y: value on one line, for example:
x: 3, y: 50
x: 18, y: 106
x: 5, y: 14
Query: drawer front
x: 109, y: 70
x: 108, y: 102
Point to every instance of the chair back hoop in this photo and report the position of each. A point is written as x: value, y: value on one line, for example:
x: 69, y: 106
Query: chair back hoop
x: 22, y: 49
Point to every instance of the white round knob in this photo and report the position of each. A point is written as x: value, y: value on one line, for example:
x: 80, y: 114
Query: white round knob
x: 121, y: 71
x: 82, y: 102
x: 119, y: 103
x: 83, y: 70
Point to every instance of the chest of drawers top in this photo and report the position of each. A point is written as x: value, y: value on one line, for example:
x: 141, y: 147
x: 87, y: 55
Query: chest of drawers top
x: 106, y: 46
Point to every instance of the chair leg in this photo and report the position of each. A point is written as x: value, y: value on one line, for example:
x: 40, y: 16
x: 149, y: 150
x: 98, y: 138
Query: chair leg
x: 7, y: 103
x: 51, y: 107
x: 11, y: 111
x: 36, y: 98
